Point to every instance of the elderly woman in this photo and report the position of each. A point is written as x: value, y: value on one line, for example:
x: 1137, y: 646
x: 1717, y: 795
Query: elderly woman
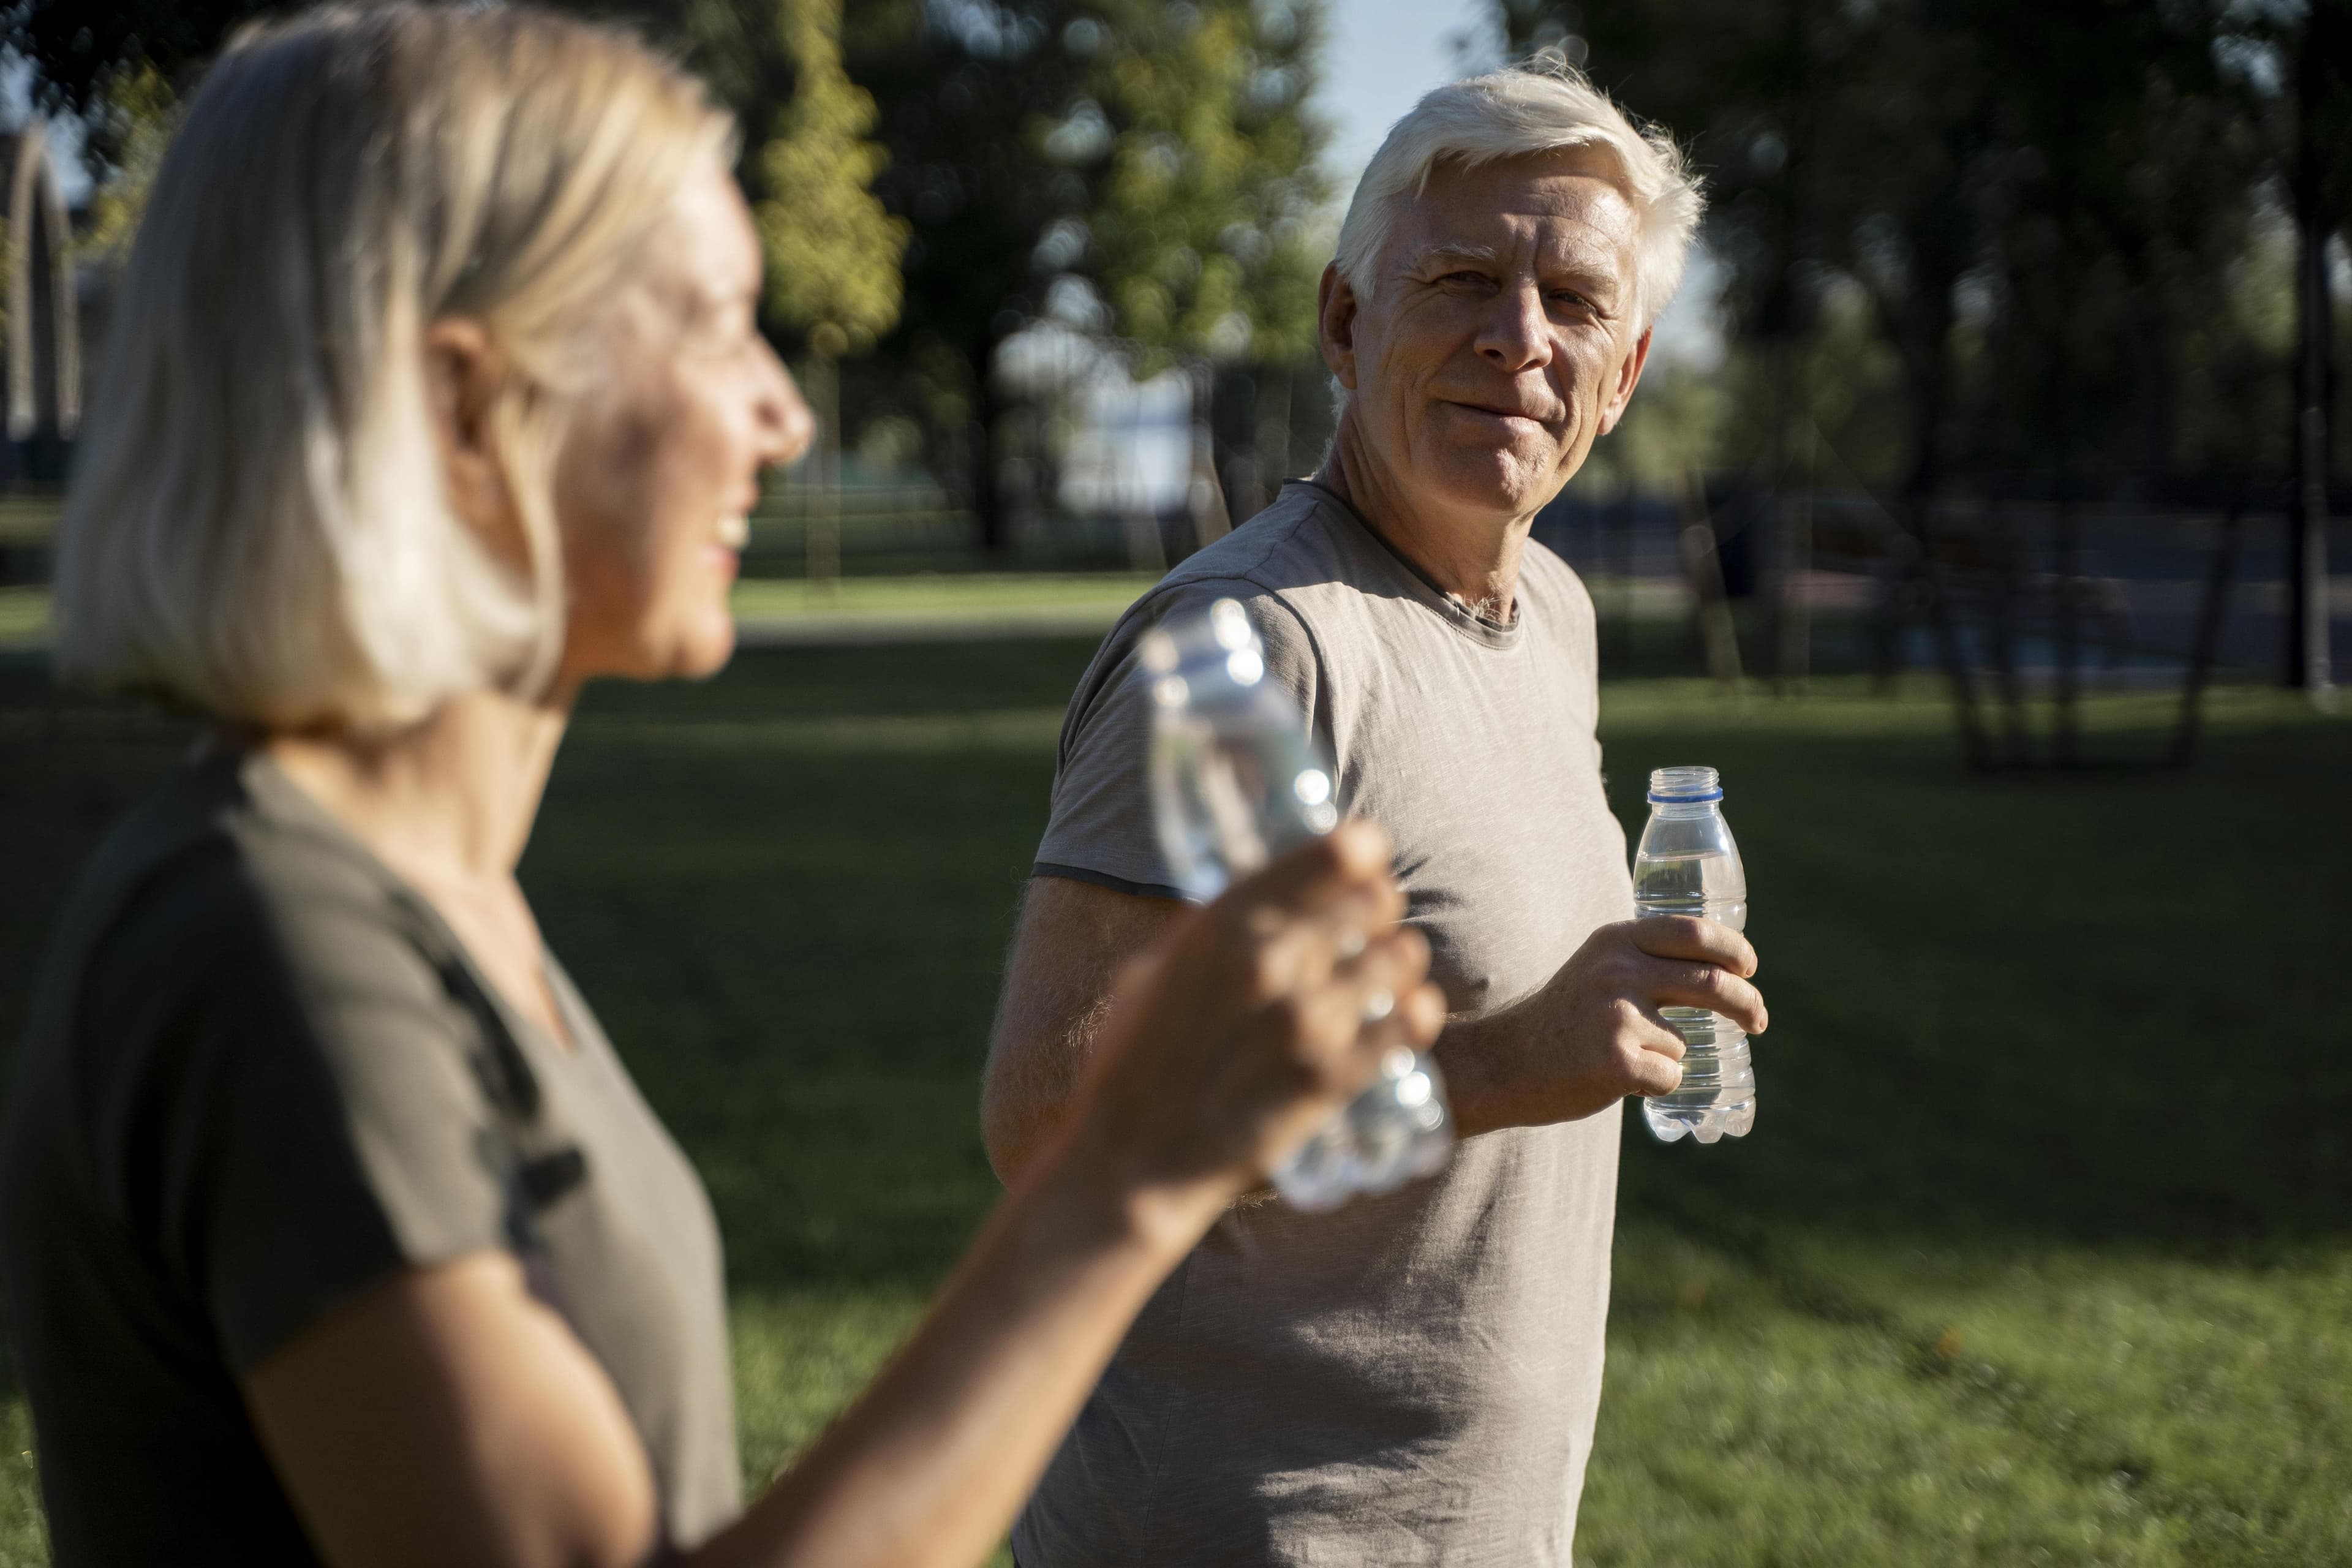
x: 334, y: 1230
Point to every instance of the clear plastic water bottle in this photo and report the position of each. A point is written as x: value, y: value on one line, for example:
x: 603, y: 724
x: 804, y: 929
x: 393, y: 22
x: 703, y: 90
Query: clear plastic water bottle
x: 1688, y: 865
x: 1235, y: 781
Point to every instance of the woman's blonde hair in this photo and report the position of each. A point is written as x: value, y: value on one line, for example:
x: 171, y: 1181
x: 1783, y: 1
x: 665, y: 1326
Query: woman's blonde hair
x: 257, y: 525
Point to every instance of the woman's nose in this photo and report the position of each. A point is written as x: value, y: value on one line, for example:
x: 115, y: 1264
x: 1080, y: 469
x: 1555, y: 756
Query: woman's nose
x: 786, y: 426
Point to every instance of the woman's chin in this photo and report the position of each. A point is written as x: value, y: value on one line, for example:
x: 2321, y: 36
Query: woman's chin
x: 705, y: 651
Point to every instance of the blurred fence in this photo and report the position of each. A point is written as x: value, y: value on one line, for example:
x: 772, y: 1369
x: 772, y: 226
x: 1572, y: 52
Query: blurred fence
x: 1822, y: 582
x: 2146, y: 589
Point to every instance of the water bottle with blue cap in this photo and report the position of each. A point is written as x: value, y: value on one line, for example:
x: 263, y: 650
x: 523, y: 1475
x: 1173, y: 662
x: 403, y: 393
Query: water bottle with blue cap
x: 1688, y: 865
x: 1235, y: 781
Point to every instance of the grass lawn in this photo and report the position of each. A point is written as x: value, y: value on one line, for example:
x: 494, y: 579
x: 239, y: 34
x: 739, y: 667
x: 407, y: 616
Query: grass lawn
x: 933, y: 604
x: 2039, y: 1252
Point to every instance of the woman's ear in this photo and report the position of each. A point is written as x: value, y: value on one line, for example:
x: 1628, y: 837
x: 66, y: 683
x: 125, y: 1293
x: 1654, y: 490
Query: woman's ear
x: 463, y: 375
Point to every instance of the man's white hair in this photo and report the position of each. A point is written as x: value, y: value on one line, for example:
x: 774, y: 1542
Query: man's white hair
x: 1543, y: 105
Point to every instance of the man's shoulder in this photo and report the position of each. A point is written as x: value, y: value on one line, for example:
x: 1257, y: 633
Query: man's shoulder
x: 1549, y: 577
x: 1295, y: 542
x: 1553, y: 593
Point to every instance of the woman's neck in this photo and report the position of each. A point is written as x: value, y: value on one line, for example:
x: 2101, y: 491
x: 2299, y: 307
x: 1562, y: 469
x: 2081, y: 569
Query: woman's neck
x: 447, y: 801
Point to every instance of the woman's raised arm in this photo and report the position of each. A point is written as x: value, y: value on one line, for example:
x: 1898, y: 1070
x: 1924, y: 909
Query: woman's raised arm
x: 447, y: 1416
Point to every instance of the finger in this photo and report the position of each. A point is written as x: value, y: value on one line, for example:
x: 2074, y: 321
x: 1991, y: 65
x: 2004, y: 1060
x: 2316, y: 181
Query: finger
x: 1698, y: 941
x: 1649, y: 1031
x: 1717, y: 990
x: 1416, y: 1019
x: 1393, y: 963
x: 1655, y: 1074
x: 1342, y: 1027
x: 1296, y: 950
x: 1349, y: 861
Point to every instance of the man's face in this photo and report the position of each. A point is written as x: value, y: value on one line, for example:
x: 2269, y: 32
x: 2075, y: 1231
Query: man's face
x: 1499, y: 338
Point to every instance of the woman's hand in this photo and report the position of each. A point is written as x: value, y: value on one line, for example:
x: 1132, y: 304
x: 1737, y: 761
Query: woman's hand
x: 1243, y: 1028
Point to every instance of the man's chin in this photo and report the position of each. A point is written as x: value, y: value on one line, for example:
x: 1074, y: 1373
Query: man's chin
x: 1502, y: 482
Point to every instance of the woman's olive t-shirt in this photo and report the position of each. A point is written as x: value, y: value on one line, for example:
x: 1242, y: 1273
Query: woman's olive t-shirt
x: 262, y: 1075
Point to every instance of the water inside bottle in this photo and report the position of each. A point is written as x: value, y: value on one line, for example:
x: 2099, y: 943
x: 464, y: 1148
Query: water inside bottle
x: 1717, y: 1095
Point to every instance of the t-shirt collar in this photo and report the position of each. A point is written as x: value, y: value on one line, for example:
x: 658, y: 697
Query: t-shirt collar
x: 1478, y: 628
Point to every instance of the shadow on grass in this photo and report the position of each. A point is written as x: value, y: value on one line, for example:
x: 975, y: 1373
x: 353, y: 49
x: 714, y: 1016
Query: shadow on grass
x: 2091, y: 1008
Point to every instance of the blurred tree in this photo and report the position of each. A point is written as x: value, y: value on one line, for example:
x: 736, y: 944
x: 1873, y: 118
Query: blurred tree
x: 832, y: 251
x: 2037, y: 196
x: 964, y: 87
x: 137, y: 111
x: 1201, y: 235
x: 2041, y: 199
x: 77, y: 47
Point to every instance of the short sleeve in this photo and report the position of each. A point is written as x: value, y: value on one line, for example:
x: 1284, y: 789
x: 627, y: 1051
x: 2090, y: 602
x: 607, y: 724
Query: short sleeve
x: 1100, y: 830
x: 297, y: 1101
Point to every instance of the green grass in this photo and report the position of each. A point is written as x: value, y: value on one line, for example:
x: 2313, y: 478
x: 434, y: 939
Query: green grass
x: 2038, y: 1253
x: 1065, y: 602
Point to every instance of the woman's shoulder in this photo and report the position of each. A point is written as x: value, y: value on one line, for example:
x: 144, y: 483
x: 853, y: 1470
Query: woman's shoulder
x: 226, y: 872
x: 221, y: 930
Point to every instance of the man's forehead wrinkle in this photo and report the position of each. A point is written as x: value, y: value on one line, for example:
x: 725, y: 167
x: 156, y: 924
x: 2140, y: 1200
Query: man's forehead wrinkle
x: 1575, y: 254
x: 1451, y: 250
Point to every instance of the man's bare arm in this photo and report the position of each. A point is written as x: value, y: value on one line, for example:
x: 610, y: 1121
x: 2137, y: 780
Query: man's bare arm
x: 1594, y: 1034
x: 1072, y: 939
x: 1591, y: 1036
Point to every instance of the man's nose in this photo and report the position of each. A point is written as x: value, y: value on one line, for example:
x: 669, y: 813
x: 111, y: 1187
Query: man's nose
x: 1516, y: 333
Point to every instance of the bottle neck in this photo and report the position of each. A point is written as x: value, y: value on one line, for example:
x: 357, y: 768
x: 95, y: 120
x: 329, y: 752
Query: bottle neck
x: 1683, y: 811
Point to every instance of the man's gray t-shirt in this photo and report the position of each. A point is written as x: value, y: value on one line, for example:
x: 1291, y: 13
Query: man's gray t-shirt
x: 263, y: 1076
x: 1414, y: 1378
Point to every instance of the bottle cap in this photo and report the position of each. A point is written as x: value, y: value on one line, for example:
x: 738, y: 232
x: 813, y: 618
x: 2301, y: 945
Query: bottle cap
x: 1685, y: 786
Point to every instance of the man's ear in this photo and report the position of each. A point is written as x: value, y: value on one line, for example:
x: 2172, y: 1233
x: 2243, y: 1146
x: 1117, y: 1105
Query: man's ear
x: 1629, y: 375
x: 1335, y: 324
x: 463, y: 374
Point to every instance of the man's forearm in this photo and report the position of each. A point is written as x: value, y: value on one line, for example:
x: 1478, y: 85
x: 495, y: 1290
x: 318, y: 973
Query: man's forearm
x: 1523, y: 1067
x: 1481, y: 1058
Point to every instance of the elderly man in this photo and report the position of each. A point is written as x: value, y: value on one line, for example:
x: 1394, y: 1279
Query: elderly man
x: 1414, y: 1378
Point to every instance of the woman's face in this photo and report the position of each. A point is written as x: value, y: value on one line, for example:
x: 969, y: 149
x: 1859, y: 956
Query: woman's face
x: 660, y: 467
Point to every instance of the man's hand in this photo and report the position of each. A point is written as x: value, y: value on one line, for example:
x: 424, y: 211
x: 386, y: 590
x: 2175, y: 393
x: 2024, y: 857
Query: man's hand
x: 1593, y: 1035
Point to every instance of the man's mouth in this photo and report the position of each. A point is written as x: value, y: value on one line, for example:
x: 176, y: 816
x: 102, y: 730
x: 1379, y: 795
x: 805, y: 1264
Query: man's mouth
x: 1504, y: 410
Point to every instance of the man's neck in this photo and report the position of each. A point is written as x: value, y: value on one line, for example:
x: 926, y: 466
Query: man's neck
x: 1471, y: 557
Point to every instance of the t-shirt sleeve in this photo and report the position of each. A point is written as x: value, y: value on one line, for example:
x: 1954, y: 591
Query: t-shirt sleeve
x: 300, y: 1099
x: 1100, y: 830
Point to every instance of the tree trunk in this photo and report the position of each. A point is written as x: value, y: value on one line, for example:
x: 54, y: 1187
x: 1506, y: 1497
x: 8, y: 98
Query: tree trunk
x: 823, y: 528
x: 1205, y: 498
x: 2308, y: 665
x: 1704, y: 566
x: 1274, y: 428
x: 1792, y: 618
x: 987, y: 493
x: 2218, y: 578
x: 2065, y: 539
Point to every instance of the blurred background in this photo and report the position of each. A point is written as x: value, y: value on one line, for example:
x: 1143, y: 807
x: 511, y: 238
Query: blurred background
x: 1975, y: 517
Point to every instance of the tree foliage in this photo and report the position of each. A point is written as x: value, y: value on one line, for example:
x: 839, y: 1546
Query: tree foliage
x: 77, y: 47
x: 2040, y: 203
x: 834, y: 251
x: 1208, y: 188
x: 138, y: 112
